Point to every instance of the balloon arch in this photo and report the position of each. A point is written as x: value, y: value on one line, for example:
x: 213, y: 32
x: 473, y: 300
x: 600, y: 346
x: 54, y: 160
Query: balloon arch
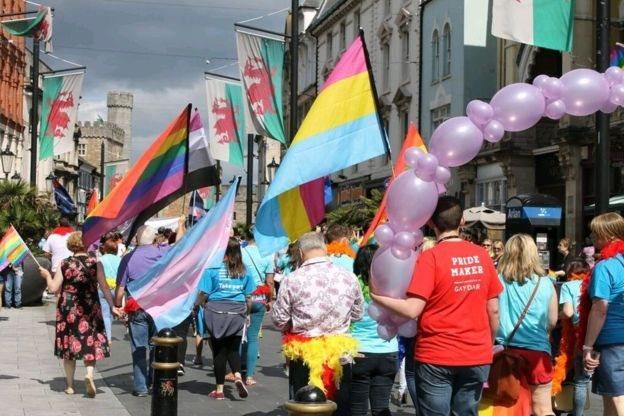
x: 413, y: 195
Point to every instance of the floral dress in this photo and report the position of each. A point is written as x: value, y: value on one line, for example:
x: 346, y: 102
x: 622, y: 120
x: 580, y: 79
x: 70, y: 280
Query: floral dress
x: 80, y: 333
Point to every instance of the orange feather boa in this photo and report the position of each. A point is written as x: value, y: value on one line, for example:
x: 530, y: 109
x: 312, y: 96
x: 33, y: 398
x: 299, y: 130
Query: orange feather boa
x: 339, y: 248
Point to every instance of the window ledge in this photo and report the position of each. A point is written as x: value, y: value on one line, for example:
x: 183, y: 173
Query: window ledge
x: 435, y: 81
x: 445, y: 77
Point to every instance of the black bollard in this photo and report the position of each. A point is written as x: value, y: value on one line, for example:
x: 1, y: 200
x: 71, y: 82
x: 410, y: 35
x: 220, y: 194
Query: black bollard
x: 165, y: 365
x: 310, y: 400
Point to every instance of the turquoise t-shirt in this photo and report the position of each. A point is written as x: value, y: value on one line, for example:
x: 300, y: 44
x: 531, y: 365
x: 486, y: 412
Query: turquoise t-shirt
x: 365, y: 332
x: 533, y: 332
x: 343, y: 261
x: 257, y: 265
x: 607, y: 283
x: 218, y: 285
x: 110, y: 264
x: 571, y: 293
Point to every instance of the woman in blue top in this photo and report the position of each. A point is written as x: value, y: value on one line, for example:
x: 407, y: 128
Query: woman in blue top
x: 521, y: 273
x: 605, y: 325
x: 107, y: 267
x: 228, y: 292
x: 373, y: 374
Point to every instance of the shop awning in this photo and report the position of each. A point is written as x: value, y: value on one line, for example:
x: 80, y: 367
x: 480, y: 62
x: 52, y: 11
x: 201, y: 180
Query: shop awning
x: 494, y: 220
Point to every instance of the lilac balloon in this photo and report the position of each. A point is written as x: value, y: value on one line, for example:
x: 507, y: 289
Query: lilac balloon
x: 585, y: 91
x: 427, y: 167
x: 494, y: 131
x: 391, y: 276
x: 442, y: 175
x: 553, y: 88
x: 614, y: 75
x: 384, y: 234
x: 555, y: 110
x: 479, y: 112
x: 617, y: 94
x: 408, y: 329
x: 609, y: 107
x: 386, y: 332
x: 405, y: 239
x: 456, y: 142
x: 518, y: 106
x: 418, y: 236
x: 540, y: 81
x: 403, y: 213
x: 401, y: 253
x: 376, y: 311
x: 412, y: 156
x: 398, y: 320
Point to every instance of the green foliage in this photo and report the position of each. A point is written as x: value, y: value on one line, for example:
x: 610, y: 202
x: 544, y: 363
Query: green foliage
x: 240, y: 228
x: 357, y: 214
x: 30, y: 214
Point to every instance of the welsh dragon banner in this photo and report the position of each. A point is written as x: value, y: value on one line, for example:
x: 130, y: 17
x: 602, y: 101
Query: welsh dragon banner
x: 38, y: 27
x: 261, y: 62
x: 58, y: 114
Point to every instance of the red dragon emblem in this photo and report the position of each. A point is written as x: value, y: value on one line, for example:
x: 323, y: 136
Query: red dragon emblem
x: 225, y: 124
x: 259, y: 88
x: 59, y: 118
x: 42, y: 31
x: 114, y: 180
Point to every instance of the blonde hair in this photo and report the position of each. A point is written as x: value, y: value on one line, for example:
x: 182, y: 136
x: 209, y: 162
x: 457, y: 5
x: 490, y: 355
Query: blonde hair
x: 428, y: 243
x: 74, y: 242
x: 520, y: 259
x: 608, y: 226
x: 497, y: 243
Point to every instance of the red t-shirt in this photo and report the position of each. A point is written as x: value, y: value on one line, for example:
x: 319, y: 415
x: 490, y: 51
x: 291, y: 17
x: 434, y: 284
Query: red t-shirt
x: 456, y: 278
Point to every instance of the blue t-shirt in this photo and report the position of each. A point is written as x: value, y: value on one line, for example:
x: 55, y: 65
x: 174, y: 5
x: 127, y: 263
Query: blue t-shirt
x: 533, y: 332
x: 607, y: 283
x: 343, y: 261
x: 365, y: 332
x: 571, y: 293
x: 218, y: 285
x: 257, y: 265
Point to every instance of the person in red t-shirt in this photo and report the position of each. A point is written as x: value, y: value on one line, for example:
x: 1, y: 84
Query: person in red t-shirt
x: 454, y: 294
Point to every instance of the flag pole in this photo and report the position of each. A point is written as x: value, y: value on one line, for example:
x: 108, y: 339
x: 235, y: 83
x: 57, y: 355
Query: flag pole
x: 34, y: 122
x: 603, y: 146
x: 33, y: 257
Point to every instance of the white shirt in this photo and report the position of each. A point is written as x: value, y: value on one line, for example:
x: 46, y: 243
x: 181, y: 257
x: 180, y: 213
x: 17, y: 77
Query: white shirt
x: 56, y: 245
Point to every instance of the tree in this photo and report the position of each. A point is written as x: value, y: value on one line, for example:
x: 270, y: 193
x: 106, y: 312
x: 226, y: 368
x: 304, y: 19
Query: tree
x: 357, y: 214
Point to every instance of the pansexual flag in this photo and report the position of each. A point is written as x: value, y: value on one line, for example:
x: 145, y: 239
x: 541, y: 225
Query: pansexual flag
x: 13, y: 250
x: 341, y: 129
x: 168, y: 290
x: 616, y: 57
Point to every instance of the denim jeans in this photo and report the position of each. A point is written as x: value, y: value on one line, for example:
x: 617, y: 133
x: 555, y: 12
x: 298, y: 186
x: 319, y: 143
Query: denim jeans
x: 445, y: 389
x: 107, y: 315
x: 410, y: 370
x: 141, y: 330
x: 372, y: 377
x: 249, y: 349
x: 581, y: 381
x: 13, y: 289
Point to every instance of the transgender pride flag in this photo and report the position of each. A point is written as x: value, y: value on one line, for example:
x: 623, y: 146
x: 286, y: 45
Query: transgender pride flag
x: 167, y: 291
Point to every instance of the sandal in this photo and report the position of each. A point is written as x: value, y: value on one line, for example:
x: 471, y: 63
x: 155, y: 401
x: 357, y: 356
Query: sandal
x: 250, y: 381
x: 215, y: 395
x: 69, y: 391
x: 230, y: 377
x: 240, y: 386
x: 90, y: 387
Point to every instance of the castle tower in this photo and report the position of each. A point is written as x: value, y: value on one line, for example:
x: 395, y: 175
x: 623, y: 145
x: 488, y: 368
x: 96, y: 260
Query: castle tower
x: 119, y: 105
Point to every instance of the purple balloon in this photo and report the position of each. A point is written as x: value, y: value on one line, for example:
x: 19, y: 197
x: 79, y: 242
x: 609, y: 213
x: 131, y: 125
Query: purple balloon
x: 518, y: 106
x: 456, y: 142
x: 398, y: 320
x: 614, y: 75
x: 617, y: 94
x: 479, y: 112
x: 540, y: 81
x: 401, y: 253
x: 376, y: 311
x: 418, y: 236
x: 609, y: 107
x: 585, y: 91
x: 408, y: 329
x: 384, y: 234
x: 391, y: 276
x: 442, y: 175
x: 427, y: 167
x: 403, y: 213
x: 386, y: 332
x: 413, y: 156
x: 405, y: 239
x: 555, y: 110
x: 553, y: 88
x: 494, y: 131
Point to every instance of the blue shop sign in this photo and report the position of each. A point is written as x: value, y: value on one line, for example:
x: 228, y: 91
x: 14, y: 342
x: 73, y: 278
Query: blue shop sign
x: 551, y: 213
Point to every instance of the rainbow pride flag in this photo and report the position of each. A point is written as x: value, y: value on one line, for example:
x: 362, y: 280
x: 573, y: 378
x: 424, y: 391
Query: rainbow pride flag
x: 341, y: 129
x: 164, y: 173
x: 13, y: 250
x: 167, y: 292
x: 616, y: 57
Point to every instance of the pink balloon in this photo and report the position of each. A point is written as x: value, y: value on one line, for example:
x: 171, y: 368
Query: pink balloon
x: 614, y: 75
x: 384, y: 234
x: 585, y: 91
x: 401, y: 253
x: 442, y: 175
x: 408, y: 329
x: 494, y: 131
x: 518, y: 106
x: 456, y: 142
x: 418, y: 236
x: 412, y: 156
x: 540, y: 81
x: 391, y: 276
x: 609, y: 107
x: 405, y: 239
x: 555, y: 110
x: 617, y: 94
x: 375, y: 311
x: 553, y: 88
x: 398, y: 320
x: 427, y: 167
x: 479, y: 112
x: 403, y: 213
x: 386, y: 332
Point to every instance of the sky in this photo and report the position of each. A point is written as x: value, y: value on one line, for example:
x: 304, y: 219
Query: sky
x: 156, y: 49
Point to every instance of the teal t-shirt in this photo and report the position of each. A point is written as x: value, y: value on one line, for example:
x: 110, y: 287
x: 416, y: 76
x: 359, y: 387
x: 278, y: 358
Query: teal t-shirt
x: 533, y: 333
x: 607, y: 283
x: 571, y: 293
x: 257, y: 265
x: 218, y: 285
x: 365, y: 332
x: 343, y: 261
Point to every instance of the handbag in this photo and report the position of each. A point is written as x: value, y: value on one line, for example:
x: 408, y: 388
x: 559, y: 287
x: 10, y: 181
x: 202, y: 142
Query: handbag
x: 504, y: 379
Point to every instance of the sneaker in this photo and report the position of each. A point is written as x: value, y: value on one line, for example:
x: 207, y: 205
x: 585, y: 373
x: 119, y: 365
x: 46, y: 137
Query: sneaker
x: 181, y: 371
x: 139, y: 393
x: 215, y: 395
x: 198, y: 361
x: 242, y: 390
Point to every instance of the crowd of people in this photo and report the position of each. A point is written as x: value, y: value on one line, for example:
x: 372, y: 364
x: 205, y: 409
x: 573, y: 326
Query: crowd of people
x: 475, y: 304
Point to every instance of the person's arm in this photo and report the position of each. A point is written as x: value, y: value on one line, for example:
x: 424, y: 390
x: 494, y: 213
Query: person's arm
x: 357, y: 311
x: 599, y: 291
x: 281, y: 315
x: 410, y: 308
x: 493, y: 316
x: 54, y: 282
x: 119, y: 294
x: 101, y: 279
x: 181, y: 227
x: 567, y: 311
x: 597, y: 317
x: 553, y: 310
x: 201, y: 298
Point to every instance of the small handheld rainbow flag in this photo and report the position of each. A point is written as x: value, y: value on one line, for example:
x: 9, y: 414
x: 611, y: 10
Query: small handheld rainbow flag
x: 13, y: 250
x: 616, y: 58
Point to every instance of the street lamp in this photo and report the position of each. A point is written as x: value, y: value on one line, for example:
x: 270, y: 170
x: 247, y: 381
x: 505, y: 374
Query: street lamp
x: 7, y: 157
x: 49, y: 180
x: 271, y: 169
x: 16, y: 178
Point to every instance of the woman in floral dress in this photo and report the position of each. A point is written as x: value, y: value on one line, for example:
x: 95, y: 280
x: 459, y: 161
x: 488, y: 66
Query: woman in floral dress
x: 80, y: 333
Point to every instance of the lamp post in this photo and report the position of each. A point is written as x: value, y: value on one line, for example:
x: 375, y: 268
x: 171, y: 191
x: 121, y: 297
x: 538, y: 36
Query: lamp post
x: 16, y: 178
x: 7, y: 157
x: 271, y: 169
x: 49, y: 179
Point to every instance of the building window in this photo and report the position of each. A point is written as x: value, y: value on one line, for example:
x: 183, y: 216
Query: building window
x: 492, y: 193
x: 330, y: 49
x: 405, y: 55
x: 446, y: 50
x: 435, y: 56
x: 356, y: 23
x: 385, y: 76
x: 439, y: 115
x: 82, y: 149
x: 343, y: 37
x: 404, y: 123
x: 387, y: 9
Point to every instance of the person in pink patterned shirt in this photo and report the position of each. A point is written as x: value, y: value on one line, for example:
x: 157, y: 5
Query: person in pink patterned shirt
x: 318, y: 299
